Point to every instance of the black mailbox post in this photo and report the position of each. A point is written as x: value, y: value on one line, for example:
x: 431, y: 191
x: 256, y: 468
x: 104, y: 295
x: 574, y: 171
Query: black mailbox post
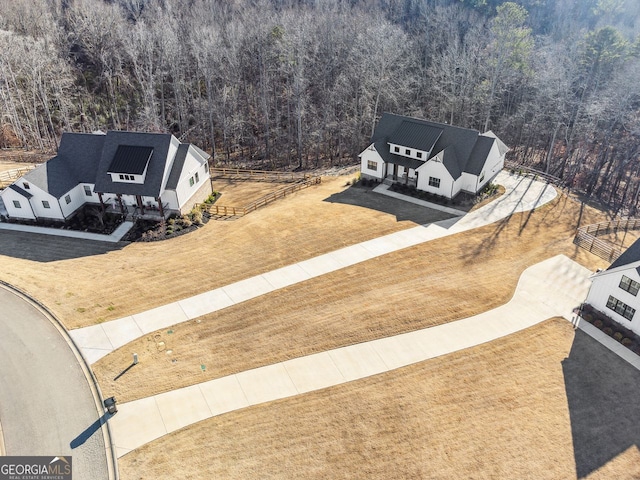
x: 110, y: 405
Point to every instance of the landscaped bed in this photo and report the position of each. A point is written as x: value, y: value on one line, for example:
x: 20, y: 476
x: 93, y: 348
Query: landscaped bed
x: 610, y: 327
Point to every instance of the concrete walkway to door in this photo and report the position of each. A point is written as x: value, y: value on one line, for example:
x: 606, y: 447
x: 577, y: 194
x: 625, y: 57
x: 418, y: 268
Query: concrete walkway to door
x: 521, y: 194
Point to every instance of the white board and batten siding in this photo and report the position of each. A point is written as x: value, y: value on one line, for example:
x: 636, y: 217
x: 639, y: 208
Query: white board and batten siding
x: 371, y: 155
x: 607, y: 283
x: 23, y: 210
x: 193, y: 166
x: 436, y: 169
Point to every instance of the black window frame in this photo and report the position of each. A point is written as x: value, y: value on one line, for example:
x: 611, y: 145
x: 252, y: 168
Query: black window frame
x: 46, y: 204
x: 396, y: 149
x: 67, y: 198
x: 620, y: 308
x: 632, y: 287
x: 87, y: 191
x: 434, y: 182
x: 16, y: 204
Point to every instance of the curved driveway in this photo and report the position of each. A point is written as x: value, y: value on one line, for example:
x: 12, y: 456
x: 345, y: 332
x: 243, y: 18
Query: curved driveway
x: 46, y: 404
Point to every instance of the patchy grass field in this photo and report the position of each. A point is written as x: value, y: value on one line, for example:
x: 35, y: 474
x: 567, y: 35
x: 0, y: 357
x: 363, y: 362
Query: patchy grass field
x: 436, y: 282
x: 103, y: 281
x: 500, y: 410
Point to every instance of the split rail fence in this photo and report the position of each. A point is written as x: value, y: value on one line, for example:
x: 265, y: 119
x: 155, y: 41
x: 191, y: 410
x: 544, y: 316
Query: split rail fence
x: 296, y: 182
x: 10, y: 176
x: 587, y: 237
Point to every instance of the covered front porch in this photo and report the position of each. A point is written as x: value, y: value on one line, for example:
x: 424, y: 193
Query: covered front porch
x: 399, y: 173
x: 134, y: 207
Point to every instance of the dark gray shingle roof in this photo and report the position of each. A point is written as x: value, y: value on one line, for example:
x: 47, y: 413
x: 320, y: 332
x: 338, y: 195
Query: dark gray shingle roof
x: 76, y: 162
x: 479, y: 154
x: 457, y: 143
x: 176, y: 169
x: 158, y: 142
x: 630, y: 255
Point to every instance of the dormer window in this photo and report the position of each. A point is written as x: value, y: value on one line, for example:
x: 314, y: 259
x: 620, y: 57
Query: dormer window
x: 407, y: 152
x: 26, y: 185
x: 396, y: 149
x: 130, y: 163
x: 419, y: 154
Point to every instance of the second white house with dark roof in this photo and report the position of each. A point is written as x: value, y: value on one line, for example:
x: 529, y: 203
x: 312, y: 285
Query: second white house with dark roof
x: 434, y: 157
x: 616, y: 290
x: 124, y: 170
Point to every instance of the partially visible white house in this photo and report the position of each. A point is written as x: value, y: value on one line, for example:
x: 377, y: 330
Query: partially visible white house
x: 434, y: 157
x: 614, y: 291
x: 124, y: 170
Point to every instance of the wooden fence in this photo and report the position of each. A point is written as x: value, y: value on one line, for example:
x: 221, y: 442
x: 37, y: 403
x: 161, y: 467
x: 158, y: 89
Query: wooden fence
x: 587, y: 237
x: 258, y: 175
x: 533, y: 172
x: 231, y: 211
x: 10, y: 176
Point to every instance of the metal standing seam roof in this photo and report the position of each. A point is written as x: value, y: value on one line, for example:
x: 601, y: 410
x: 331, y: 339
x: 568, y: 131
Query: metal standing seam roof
x: 21, y: 191
x: 462, y: 152
x: 131, y: 159
x: 416, y: 135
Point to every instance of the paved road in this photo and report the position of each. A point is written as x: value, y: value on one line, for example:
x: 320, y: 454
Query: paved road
x: 46, y: 404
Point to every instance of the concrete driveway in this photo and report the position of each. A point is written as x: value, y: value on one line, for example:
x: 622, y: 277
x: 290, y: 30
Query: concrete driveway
x: 47, y: 406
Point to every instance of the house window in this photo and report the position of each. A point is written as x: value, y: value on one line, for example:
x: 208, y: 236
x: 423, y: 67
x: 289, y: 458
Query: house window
x: 45, y: 204
x: 67, y: 199
x: 197, y: 177
x: 87, y: 190
x: 621, y: 308
x: 629, y: 285
x: 407, y: 152
x: 481, y: 178
x: 434, y: 182
x: 419, y: 154
x: 121, y: 177
x: 191, y: 182
x: 396, y: 149
x: 16, y: 204
x: 371, y: 165
x: 132, y: 178
x: 26, y: 185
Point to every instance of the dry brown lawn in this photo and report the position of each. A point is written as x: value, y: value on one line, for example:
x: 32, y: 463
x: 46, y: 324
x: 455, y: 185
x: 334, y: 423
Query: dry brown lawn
x: 433, y: 283
x: 238, y: 193
x: 622, y: 239
x: 95, y: 282
x: 498, y: 410
x: 6, y: 165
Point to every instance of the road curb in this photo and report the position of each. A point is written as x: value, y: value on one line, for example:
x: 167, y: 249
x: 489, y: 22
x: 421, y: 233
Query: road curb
x: 3, y: 452
x: 112, y: 461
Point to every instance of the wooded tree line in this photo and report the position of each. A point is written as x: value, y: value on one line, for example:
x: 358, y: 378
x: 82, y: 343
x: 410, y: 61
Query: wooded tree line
x: 301, y: 83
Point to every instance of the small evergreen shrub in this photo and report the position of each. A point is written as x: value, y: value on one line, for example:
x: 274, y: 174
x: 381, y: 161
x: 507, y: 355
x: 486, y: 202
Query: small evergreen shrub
x: 617, y: 336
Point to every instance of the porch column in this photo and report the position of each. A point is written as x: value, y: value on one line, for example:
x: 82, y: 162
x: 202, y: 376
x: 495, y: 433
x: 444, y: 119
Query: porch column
x: 121, y: 204
x: 101, y: 201
x: 160, y: 207
x: 140, y: 204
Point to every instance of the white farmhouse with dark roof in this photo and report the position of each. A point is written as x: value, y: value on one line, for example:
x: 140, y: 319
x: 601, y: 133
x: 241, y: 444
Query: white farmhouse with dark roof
x: 614, y: 291
x: 434, y: 157
x: 124, y: 170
